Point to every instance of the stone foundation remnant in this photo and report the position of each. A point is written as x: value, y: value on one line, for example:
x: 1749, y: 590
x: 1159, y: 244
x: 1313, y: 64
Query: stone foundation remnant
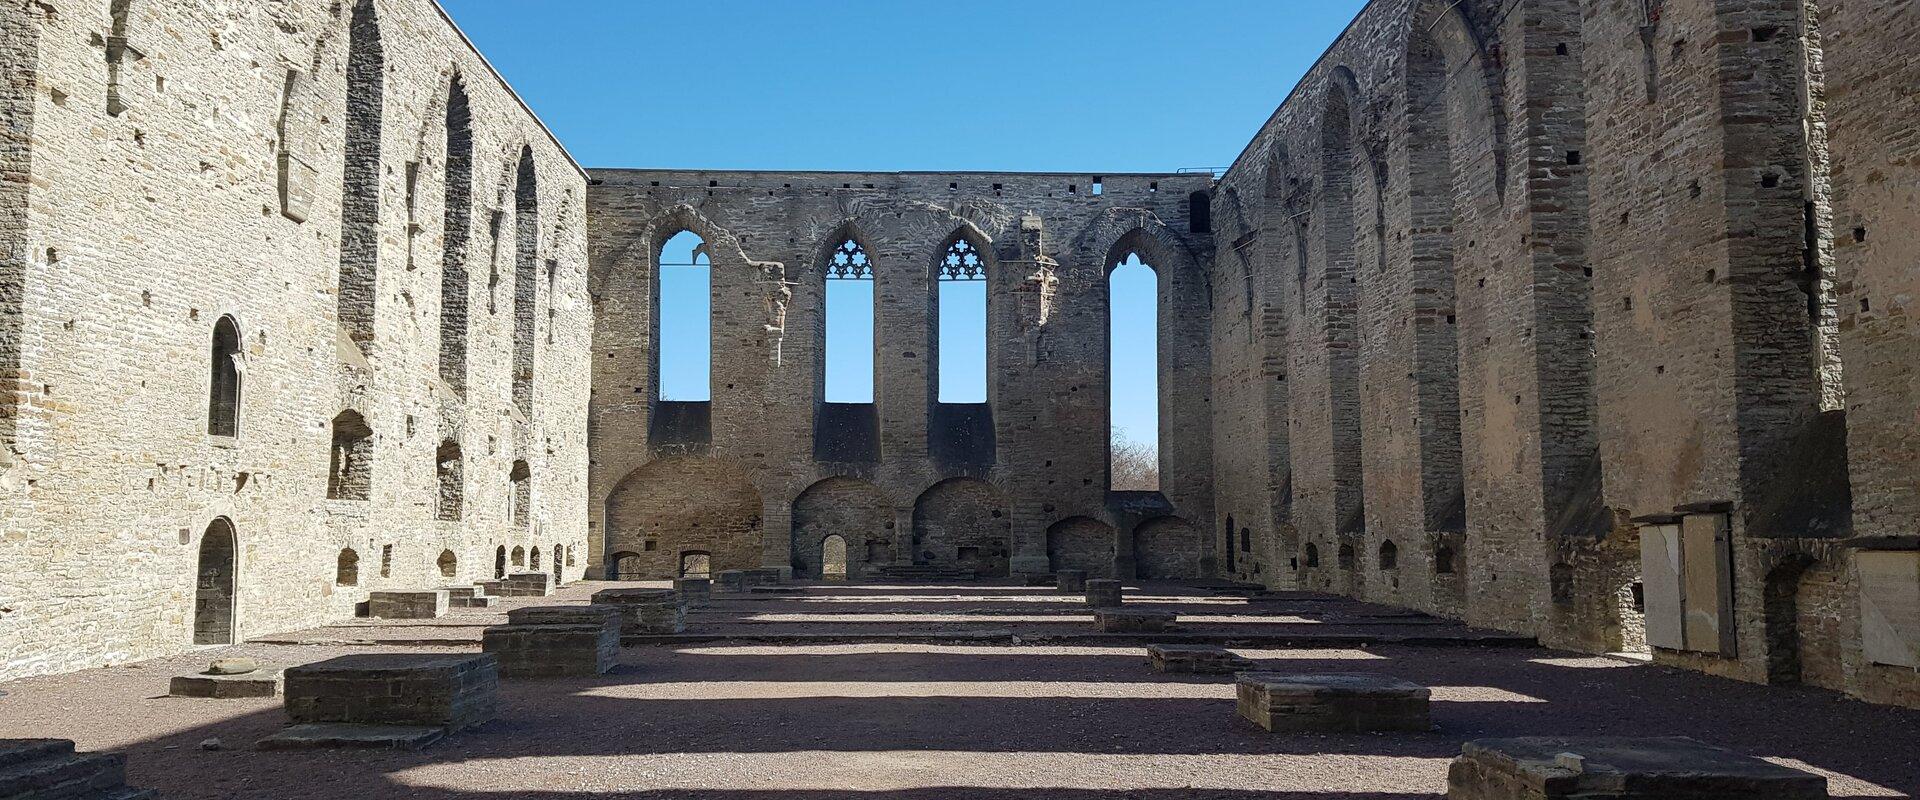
x: 1668, y: 768
x: 1103, y: 593
x: 762, y: 577
x: 695, y: 592
x: 555, y: 641
x: 732, y: 580
x: 397, y: 700
x: 469, y: 597
x: 228, y: 678
x: 1197, y: 659
x: 1284, y: 703
x: 49, y: 769
x: 645, y: 611
x: 408, y: 605
x: 1072, y: 581
x: 521, y: 584
x: 1132, y: 621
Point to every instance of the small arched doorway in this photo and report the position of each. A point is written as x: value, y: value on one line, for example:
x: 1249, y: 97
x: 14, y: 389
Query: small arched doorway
x: 699, y: 564
x: 833, y: 558
x: 214, y: 589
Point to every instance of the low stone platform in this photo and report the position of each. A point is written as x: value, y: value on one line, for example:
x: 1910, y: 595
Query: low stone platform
x: 328, y: 735
x: 694, y: 592
x: 1666, y: 768
x: 555, y: 641
x: 228, y: 678
x: 1115, y: 620
x: 446, y: 691
x: 731, y: 580
x: 469, y: 597
x: 645, y: 611
x: 1336, y: 703
x: 431, y: 604
x: 521, y: 584
x: 1071, y: 581
x: 1195, y: 659
x: 1103, y: 593
x: 50, y: 769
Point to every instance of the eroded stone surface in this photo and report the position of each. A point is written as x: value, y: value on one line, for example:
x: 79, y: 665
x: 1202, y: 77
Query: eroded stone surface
x: 1672, y: 768
x: 1332, y: 703
x: 1195, y: 659
x: 1103, y: 593
x: 1118, y: 620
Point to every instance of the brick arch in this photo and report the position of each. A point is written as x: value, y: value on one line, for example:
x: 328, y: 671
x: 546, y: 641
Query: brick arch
x: 686, y: 503
x: 853, y: 509
x: 963, y: 522
x: 1169, y: 548
x: 1082, y: 543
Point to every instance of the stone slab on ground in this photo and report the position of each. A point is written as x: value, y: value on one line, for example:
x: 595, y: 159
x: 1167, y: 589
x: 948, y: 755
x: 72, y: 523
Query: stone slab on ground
x: 645, y: 611
x: 430, y: 604
x: 1596, y: 768
x: 1103, y: 593
x: 521, y: 584
x: 263, y: 681
x: 469, y: 597
x: 564, y: 615
x: 50, y: 769
x: 731, y: 580
x: 1071, y: 581
x: 326, y: 735
x: 452, y: 691
x: 553, y: 650
x: 763, y: 577
x: 1332, y: 703
x: 1117, y: 620
x: 1195, y: 659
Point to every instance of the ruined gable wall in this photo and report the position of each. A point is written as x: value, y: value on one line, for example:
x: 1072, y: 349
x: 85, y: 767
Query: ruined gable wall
x: 150, y: 225
x: 1047, y: 379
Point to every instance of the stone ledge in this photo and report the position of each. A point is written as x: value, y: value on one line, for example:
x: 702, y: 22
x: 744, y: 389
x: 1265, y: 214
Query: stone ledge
x: 263, y: 682
x: 1596, y: 768
x: 1332, y: 703
x: 1132, y: 621
x: 324, y: 735
x: 1195, y: 659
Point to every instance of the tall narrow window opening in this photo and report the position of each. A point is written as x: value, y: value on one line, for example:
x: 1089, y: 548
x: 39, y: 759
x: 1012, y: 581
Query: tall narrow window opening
x: 350, y: 471
x: 962, y: 345
x: 223, y: 400
x: 1133, y: 375
x: 526, y: 279
x: 520, y: 497
x: 451, y: 488
x: 117, y: 52
x: 686, y: 319
x: 360, y: 185
x: 850, y: 312
x: 1200, y: 212
x: 1339, y: 325
x: 457, y: 232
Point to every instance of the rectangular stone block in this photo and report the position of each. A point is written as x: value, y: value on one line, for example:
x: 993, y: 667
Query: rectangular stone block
x: 1103, y: 593
x: 732, y: 580
x: 1598, y: 768
x: 1198, y: 659
x: 1072, y: 581
x: 695, y: 592
x: 553, y: 650
x: 762, y: 577
x: 1334, y: 703
x: 564, y: 615
x: 526, y: 584
x: 1132, y: 621
x: 430, y: 604
x: 263, y: 682
x: 645, y: 611
x: 453, y: 691
x: 468, y: 597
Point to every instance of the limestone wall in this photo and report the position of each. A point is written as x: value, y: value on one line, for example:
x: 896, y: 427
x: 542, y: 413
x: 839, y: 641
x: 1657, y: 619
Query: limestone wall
x: 188, y: 166
x: 977, y: 489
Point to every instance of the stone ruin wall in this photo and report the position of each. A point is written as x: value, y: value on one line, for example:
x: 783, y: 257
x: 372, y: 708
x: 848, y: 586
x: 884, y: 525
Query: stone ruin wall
x: 1049, y: 241
x: 141, y: 204
x: 1615, y: 232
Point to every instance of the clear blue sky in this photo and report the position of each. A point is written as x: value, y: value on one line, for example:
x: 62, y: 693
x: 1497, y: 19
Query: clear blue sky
x: 1097, y: 86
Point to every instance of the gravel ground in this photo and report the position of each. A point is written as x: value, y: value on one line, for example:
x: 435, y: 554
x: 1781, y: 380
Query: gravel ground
x: 770, y: 720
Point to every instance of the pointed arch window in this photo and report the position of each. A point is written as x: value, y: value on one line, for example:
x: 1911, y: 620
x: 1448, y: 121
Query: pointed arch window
x: 526, y: 274
x: 962, y: 342
x: 456, y: 234
x: 850, y: 318
x: 223, y: 401
x: 685, y: 348
x: 1133, y: 374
